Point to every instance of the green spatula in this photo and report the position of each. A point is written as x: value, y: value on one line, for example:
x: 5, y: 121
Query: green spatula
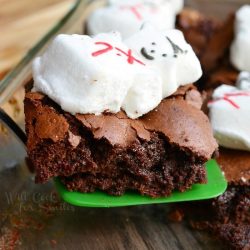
x: 215, y: 186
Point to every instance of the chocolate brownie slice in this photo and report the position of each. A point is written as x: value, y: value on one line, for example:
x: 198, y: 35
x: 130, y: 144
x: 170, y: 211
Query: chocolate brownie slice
x: 163, y: 150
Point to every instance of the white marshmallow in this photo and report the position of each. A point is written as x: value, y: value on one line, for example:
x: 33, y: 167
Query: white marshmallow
x: 144, y: 95
x: 240, y: 49
x: 168, y: 54
x: 177, y: 5
x: 230, y: 117
x: 82, y: 83
x: 95, y: 74
x: 127, y: 18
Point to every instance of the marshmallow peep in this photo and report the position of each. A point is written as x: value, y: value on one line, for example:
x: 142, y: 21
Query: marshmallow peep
x: 128, y: 16
x: 168, y: 54
x: 95, y: 74
x: 229, y: 113
x: 240, y: 49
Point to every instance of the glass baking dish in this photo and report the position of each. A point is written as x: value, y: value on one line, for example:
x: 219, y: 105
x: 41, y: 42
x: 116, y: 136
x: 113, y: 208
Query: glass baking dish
x: 33, y: 217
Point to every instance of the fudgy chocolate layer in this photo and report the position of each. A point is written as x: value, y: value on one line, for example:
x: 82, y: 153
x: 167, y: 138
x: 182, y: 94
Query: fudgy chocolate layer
x: 155, y: 168
x: 161, y: 151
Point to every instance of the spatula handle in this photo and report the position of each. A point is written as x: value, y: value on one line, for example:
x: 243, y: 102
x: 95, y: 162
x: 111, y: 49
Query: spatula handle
x: 11, y: 124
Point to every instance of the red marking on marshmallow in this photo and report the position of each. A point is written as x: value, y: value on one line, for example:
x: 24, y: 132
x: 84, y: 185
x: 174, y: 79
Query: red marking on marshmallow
x: 134, y: 9
x: 131, y: 58
x: 226, y: 98
x: 102, y: 51
x: 108, y: 47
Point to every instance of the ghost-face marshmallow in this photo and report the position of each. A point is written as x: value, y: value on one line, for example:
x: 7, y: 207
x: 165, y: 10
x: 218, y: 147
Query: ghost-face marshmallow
x: 168, y: 54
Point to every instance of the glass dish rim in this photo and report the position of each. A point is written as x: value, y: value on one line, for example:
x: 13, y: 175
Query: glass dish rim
x: 14, y: 78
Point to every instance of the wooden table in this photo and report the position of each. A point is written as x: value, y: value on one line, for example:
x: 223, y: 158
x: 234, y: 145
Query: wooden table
x: 32, y: 217
x: 23, y: 23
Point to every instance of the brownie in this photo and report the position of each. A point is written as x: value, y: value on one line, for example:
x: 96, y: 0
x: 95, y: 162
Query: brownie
x: 162, y: 151
x: 227, y: 217
x: 209, y: 37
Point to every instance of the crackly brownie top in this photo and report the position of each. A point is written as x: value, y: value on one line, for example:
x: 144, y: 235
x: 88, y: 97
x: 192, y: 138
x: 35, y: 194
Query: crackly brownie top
x: 178, y: 118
